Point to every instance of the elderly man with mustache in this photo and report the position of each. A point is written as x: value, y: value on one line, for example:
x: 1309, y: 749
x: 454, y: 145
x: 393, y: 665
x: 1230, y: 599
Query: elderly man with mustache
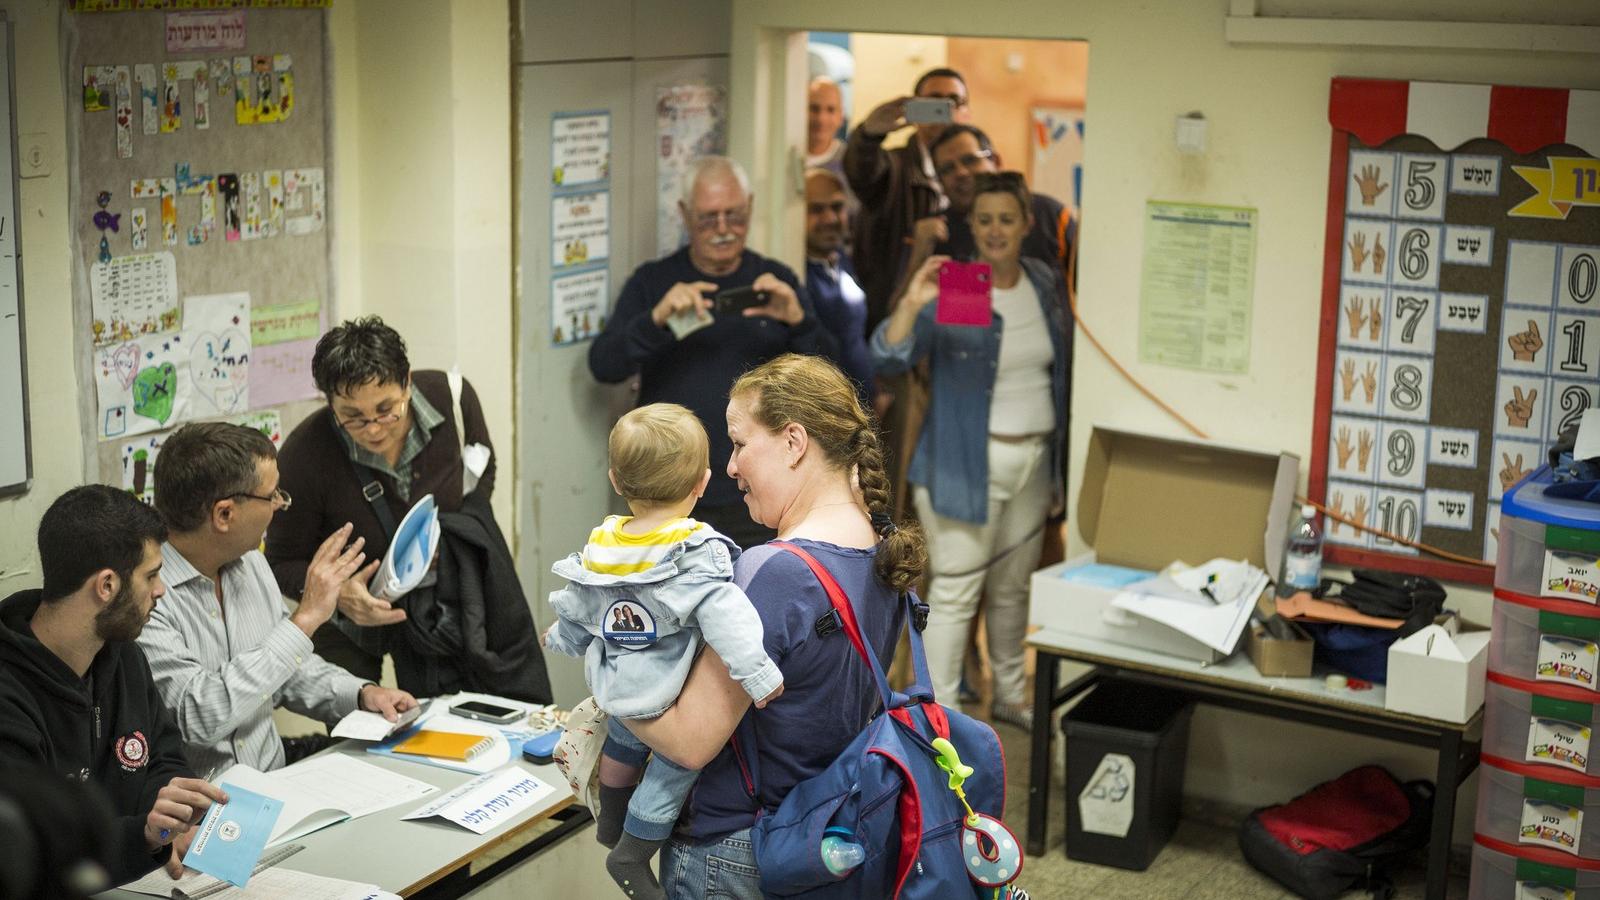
x: 663, y: 329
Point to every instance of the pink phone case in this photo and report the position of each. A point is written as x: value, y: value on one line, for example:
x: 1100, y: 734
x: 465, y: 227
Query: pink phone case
x: 964, y: 295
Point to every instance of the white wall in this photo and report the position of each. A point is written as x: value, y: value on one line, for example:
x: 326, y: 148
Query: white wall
x: 1269, y: 139
x: 53, y: 395
x: 422, y: 139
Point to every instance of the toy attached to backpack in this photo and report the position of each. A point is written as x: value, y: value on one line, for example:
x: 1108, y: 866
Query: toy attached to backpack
x: 911, y: 808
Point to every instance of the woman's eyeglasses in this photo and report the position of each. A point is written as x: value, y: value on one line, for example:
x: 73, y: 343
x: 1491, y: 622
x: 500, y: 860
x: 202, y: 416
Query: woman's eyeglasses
x: 388, y: 418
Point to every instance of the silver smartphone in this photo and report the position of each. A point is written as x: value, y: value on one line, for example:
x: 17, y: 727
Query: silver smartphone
x: 492, y: 713
x: 930, y: 110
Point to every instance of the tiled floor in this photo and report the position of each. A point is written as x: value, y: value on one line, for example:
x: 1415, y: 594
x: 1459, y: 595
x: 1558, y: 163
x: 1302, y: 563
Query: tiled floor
x: 1201, y: 862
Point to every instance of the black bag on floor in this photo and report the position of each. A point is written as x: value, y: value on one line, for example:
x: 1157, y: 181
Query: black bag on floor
x: 1341, y: 834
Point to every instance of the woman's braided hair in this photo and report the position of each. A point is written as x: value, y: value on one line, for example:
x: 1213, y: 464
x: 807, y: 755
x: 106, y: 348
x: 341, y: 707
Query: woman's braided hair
x: 812, y: 393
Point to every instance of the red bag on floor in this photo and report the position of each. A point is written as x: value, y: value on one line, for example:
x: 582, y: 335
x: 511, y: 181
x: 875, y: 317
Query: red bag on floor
x: 1341, y: 834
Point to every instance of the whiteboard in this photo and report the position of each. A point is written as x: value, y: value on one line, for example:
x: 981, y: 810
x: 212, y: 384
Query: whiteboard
x: 15, y: 464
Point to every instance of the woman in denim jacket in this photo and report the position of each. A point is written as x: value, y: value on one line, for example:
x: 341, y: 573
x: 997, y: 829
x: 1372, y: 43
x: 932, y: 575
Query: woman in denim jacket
x: 987, y: 467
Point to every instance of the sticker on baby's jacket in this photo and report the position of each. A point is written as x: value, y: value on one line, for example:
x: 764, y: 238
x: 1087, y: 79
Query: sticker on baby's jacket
x: 627, y: 622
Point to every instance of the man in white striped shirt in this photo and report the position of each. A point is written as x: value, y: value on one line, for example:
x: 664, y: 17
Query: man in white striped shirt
x: 224, y: 648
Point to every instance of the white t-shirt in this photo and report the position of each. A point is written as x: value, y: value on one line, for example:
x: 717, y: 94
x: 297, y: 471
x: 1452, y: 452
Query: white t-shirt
x: 1022, y: 402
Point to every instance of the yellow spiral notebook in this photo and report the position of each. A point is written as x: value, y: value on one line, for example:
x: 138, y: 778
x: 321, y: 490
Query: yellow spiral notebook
x: 445, y: 744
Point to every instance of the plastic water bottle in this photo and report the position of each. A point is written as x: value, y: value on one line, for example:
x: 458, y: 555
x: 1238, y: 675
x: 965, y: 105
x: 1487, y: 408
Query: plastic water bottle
x: 840, y: 852
x: 1302, y: 561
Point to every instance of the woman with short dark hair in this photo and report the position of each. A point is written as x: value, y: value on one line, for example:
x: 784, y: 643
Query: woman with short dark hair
x: 388, y: 437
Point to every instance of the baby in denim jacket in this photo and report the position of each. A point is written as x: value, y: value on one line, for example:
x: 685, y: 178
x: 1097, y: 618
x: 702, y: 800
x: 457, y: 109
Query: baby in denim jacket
x: 642, y: 595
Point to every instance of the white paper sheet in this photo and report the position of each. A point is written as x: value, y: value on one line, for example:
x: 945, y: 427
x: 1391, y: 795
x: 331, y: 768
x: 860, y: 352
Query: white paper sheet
x: 487, y: 802
x: 268, y: 884
x: 359, y: 788
x: 1177, y: 602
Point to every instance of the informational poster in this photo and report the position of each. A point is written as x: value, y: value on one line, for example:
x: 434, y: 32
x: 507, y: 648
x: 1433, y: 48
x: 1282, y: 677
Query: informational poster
x: 578, y: 304
x: 1461, y: 311
x: 133, y: 295
x: 580, y: 148
x: 580, y: 228
x: 285, y: 322
x: 1197, y: 286
x: 691, y: 121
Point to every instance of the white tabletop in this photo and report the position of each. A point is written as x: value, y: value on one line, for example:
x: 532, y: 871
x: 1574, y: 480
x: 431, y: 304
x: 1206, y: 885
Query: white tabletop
x: 406, y: 856
x: 1236, y: 672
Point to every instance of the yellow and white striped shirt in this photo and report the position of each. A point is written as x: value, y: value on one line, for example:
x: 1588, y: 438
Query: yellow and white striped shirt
x: 610, y: 551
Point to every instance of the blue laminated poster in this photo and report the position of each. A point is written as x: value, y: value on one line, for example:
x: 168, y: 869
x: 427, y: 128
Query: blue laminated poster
x: 229, y: 840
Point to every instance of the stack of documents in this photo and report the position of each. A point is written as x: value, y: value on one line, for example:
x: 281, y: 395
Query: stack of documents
x: 325, y: 789
x: 1210, y: 603
x: 267, y: 883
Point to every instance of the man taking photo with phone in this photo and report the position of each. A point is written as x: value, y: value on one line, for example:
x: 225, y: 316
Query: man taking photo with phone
x: 663, y: 329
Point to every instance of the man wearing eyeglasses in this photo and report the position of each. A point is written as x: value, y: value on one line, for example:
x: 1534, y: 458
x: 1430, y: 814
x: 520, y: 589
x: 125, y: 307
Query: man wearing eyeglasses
x: 223, y: 647
x: 960, y: 154
x: 896, y: 187
x: 664, y: 332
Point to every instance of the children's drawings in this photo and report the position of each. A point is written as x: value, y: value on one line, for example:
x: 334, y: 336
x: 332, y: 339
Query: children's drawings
x: 140, y: 384
x: 133, y: 295
x: 218, y: 330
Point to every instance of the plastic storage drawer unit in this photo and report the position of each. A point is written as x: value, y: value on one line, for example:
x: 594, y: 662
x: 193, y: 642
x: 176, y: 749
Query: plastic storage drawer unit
x: 1546, y: 640
x: 1540, y: 723
x: 1549, y: 546
x: 1502, y: 871
x: 1126, y: 746
x: 1537, y: 806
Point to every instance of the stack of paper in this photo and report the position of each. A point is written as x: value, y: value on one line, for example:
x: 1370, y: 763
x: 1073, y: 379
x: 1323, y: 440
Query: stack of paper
x: 411, y: 552
x: 268, y: 883
x: 325, y: 789
x: 1210, y: 603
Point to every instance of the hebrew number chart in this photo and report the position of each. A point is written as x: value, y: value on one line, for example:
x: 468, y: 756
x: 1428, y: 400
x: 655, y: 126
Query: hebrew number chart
x: 1460, y: 309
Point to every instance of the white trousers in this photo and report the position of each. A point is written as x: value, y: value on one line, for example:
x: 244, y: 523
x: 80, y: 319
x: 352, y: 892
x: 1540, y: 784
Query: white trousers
x: 1019, y: 500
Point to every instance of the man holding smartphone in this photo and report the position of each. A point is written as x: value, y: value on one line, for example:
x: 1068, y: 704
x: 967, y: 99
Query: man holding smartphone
x: 663, y: 329
x: 898, y: 187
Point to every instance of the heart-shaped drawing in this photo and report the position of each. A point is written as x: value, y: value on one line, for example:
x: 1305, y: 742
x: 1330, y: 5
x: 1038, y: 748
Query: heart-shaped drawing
x: 220, y: 366
x: 125, y: 363
x: 154, y: 391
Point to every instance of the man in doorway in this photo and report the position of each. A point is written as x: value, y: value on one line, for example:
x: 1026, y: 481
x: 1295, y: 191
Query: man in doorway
x: 664, y: 332
x: 824, y: 115
x: 76, y: 695
x: 896, y: 187
x: 960, y: 154
x: 224, y: 648
x: 831, y: 278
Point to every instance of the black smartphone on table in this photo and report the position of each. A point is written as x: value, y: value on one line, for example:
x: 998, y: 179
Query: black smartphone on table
x: 734, y: 301
x: 488, y: 712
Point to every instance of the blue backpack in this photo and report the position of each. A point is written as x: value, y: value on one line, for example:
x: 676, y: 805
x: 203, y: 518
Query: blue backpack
x: 899, y: 795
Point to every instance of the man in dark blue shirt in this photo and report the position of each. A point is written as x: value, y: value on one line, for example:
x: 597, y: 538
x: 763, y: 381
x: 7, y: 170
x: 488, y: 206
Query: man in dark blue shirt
x: 664, y: 331
x: 831, y: 278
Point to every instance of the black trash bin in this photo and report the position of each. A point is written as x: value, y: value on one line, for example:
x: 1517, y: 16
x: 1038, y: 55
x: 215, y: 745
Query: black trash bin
x: 1131, y: 741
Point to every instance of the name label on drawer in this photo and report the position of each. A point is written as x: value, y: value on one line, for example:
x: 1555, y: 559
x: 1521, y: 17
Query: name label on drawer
x: 1551, y: 825
x: 1532, y: 890
x: 1559, y: 743
x: 1573, y: 576
x: 1567, y: 660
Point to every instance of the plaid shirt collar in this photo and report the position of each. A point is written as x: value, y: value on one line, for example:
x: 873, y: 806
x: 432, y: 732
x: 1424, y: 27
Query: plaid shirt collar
x: 424, y: 418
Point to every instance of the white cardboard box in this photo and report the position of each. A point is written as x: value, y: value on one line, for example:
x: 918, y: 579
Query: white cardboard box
x: 1436, y: 675
x: 1147, y: 500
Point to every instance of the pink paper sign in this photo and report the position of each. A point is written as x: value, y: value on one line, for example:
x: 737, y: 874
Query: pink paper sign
x: 280, y: 373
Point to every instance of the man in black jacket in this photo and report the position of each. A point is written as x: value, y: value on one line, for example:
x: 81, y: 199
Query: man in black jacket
x: 76, y: 694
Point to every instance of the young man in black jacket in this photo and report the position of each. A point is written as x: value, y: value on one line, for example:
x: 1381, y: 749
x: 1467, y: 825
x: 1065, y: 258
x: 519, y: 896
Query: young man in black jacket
x: 76, y: 694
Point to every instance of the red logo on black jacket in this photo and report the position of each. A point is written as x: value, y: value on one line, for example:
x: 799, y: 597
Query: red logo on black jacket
x: 133, y: 751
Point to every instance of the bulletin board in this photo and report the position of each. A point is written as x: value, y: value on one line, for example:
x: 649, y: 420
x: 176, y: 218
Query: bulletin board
x: 1460, y: 328
x: 199, y: 204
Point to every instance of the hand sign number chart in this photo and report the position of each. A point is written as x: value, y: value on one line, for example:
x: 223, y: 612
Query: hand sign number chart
x: 1461, y: 311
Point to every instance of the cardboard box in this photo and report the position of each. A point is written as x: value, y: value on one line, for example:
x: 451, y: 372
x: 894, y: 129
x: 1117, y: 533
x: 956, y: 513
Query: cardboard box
x: 1437, y: 675
x: 1147, y: 500
x: 1275, y: 657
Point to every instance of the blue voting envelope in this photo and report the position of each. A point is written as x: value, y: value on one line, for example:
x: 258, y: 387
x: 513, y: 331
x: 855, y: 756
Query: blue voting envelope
x: 228, y: 842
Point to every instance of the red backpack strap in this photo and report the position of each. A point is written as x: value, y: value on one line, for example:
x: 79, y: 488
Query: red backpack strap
x: 836, y: 597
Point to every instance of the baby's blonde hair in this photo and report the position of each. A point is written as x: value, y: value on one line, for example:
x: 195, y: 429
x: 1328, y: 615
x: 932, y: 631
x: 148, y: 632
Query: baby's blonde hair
x: 658, y: 453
